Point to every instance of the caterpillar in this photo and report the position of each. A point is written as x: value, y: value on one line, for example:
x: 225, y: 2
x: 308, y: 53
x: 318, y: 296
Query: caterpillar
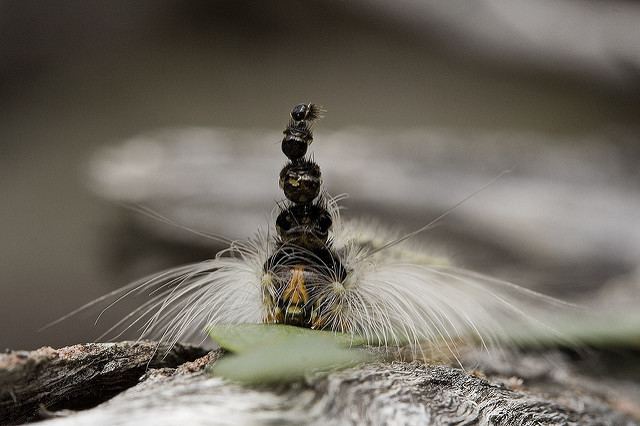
x: 315, y: 270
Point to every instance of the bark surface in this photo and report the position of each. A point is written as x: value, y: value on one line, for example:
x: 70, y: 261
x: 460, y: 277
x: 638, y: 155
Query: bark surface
x: 76, y: 386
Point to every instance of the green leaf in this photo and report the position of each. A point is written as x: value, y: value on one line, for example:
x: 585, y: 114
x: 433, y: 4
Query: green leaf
x: 244, y: 337
x: 276, y: 353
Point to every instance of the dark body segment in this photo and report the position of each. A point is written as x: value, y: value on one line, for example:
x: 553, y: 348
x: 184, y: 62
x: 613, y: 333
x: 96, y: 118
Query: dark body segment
x: 303, y: 260
x: 301, y: 181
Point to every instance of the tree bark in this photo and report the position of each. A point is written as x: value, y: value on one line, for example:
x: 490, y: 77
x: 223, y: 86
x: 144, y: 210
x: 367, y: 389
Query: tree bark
x: 79, y: 376
x: 72, y: 384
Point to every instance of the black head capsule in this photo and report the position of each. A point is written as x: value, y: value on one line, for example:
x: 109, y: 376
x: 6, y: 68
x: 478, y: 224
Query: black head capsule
x: 294, y: 147
x: 306, y: 112
x: 297, y: 137
x: 305, y: 226
x: 301, y: 181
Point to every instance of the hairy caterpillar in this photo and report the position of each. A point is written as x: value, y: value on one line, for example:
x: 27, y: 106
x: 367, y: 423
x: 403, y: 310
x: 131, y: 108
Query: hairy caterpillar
x: 317, y: 271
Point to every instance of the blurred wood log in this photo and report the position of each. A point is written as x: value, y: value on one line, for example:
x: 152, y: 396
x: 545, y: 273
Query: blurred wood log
x: 171, y: 392
x: 566, y: 201
x: 527, y: 34
x: 562, y: 222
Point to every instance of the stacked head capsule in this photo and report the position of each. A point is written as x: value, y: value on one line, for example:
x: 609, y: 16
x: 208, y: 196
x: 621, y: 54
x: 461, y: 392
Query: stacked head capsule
x: 305, y: 222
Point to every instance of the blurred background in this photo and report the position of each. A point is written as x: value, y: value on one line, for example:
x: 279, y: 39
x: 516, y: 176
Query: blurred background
x: 178, y: 106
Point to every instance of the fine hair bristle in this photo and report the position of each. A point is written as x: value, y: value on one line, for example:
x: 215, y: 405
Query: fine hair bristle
x: 316, y: 112
x: 398, y: 298
x: 364, y: 280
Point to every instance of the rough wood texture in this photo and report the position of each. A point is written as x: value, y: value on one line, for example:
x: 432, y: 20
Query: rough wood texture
x: 382, y: 393
x: 79, y: 376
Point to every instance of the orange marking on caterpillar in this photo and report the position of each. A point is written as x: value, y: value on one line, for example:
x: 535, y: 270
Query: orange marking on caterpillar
x: 296, y: 291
